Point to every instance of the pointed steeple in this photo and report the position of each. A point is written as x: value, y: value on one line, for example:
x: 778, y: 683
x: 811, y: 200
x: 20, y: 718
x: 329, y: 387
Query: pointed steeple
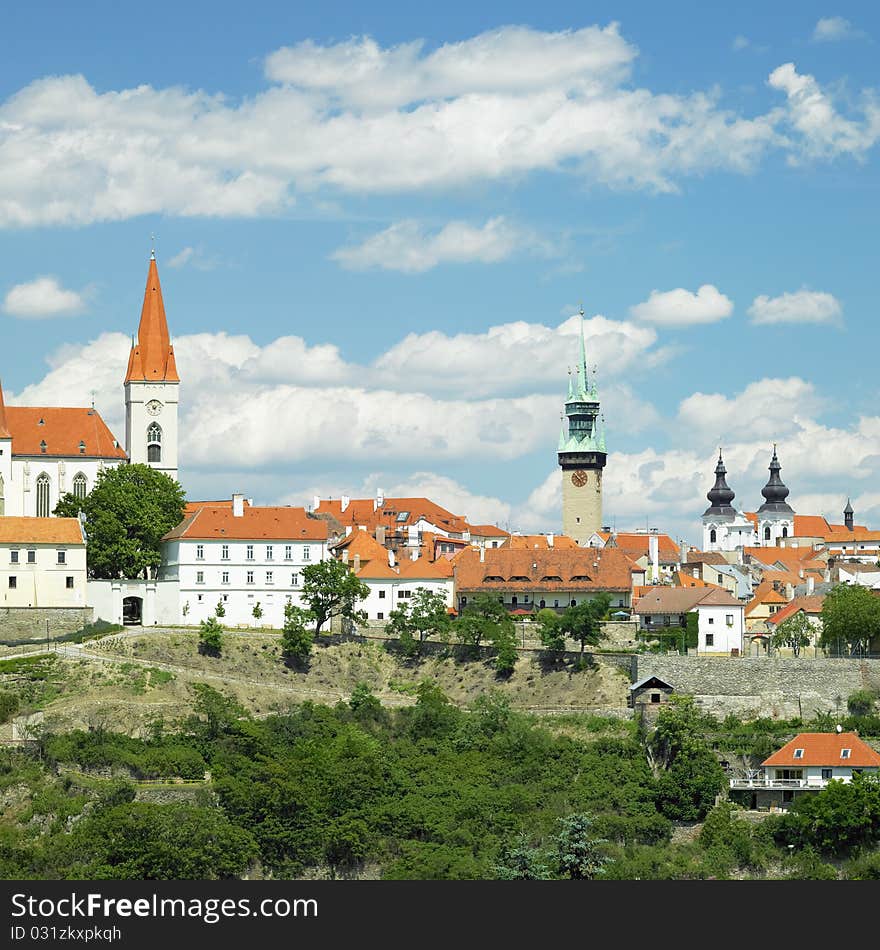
x: 775, y: 491
x: 152, y: 356
x: 848, y: 516
x: 4, y: 427
x: 720, y: 495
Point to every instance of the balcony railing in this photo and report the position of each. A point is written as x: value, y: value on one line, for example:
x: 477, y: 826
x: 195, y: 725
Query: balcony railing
x: 762, y: 781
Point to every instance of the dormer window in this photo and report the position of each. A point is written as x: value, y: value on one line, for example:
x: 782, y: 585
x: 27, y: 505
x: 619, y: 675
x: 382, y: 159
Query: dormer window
x: 798, y: 753
x: 844, y: 753
x: 82, y: 447
x: 42, y: 422
x: 43, y: 446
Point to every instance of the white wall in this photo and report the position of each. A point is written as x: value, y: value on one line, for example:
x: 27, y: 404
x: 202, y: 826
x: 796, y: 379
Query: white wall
x: 43, y: 583
x: 21, y: 493
x: 138, y: 420
x: 713, y: 620
x: 160, y: 600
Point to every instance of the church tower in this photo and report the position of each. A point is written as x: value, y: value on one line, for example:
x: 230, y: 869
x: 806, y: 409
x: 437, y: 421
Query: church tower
x: 151, y: 386
x: 581, y: 454
x: 775, y: 516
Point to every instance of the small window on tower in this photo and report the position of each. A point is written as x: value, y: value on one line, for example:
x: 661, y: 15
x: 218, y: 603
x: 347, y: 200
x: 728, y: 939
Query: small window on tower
x: 154, y: 443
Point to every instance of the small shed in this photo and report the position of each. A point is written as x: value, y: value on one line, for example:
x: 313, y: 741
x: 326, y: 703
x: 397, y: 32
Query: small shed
x: 650, y: 691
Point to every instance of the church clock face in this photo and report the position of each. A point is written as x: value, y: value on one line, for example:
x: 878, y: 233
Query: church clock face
x: 579, y: 478
x: 154, y: 407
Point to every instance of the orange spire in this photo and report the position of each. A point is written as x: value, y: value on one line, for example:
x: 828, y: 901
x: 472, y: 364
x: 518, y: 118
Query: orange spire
x: 152, y: 357
x: 4, y: 428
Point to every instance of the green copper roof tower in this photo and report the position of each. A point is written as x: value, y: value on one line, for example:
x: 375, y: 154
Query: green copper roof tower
x: 581, y: 453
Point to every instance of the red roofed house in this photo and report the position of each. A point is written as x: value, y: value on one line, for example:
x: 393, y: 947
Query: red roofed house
x: 807, y: 764
x: 719, y: 613
x: 657, y: 553
x: 241, y: 555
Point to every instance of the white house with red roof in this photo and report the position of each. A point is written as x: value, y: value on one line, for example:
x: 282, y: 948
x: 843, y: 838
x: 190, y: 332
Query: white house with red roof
x: 241, y: 555
x: 807, y: 764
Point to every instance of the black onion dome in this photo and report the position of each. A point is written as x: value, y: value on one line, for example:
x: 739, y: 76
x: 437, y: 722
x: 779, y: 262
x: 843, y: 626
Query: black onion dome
x: 720, y: 495
x: 775, y: 491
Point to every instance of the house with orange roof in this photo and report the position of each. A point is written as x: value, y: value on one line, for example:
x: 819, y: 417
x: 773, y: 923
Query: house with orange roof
x: 241, y: 555
x: 767, y: 601
x: 392, y: 581
x: 810, y: 605
x: 657, y: 553
x: 531, y: 579
x: 720, y: 623
x: 805, y: 765
x: 42, y: 576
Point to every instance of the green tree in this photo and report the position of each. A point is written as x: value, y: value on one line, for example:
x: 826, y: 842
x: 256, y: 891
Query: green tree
x: 423, y: 616
x: 583, y: 622
x: 220, y: 610
x: 210, y: 637
x: 257, y: 612
x: 296, y: 634
x: 795, y: 632
x: 861, y: 702
x: 331, y: 590
x: 519, y: 861
x: 486, y: 618
x: 850, y: 617
x: 578, y: 852
x: 127, y: 513
x: 550, y: 630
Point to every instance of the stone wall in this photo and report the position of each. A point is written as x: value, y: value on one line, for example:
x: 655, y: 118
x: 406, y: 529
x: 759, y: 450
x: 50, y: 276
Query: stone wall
x: 29, y: 623
x: 777, y: 687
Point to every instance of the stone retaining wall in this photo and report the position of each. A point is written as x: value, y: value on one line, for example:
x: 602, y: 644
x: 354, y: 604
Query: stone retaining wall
x: 29, y: 623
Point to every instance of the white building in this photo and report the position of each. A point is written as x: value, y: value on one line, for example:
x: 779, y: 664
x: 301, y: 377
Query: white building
x: 721, y: 617
x: 241, y: 556
x: 42, y: 562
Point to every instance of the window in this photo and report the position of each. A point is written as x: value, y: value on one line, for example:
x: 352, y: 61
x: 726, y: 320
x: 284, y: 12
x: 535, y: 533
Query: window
x: 43, y: 496
x: 13, y: 557
x: 13, y: 583
x: 62, y: 557
x: 513, y: 601
x: 767, y: 533
x: 306, y: 553
x: 404, y: 593
x: 226, y: 598
x: 224, y: 552
x: 655, y: 697
x: 82, y: 451
x: 844, y: 753
x: 728, y: 619
x: 269, y: 578
x: 294, y: 580
x: 798, y: 753
x: 154, y: 443
x: 711, y: 620
x: 713, y: 536
x: 826, y: 774
x: 381, y: 595
x: 784, y: 532
x: 268, y: 552
x: 32, y: 557
x: 574, y: 603
x: 250, y: 552
x: 69, y: 583
x: 200, y: 577
x: 710, y: 639
x: 542, y: 604
x: 200, y: 552
x: 250, y: 577
x: 224, y: 577
x: 556, y: 603
x: 288, y: 552
x: 80, y: 485
x: 43, y: 447
x: 380, y: 616
x: 199, y: 598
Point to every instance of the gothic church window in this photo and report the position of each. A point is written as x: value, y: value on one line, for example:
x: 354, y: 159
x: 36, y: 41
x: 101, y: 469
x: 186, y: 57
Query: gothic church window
x: 154, y: 443
x: 80, y: 485
x: 713, y: 536
x: 767, y: 534
x: 43, y: 496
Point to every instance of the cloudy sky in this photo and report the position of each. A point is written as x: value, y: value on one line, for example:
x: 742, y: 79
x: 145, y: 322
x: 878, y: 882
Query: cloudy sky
x: 374, y: 229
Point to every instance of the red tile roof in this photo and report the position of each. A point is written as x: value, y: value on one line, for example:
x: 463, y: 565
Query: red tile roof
x: 560, y: 541
x: 256, y: 524
x: 152, y: 356
x: 680, y: 600
x: 62, y: 430
x: 15, y: 530
x: 810, y: 604
x: 823, y: 749
x: 4, y: 429
x: 580, y: 569
x: 635, y: 544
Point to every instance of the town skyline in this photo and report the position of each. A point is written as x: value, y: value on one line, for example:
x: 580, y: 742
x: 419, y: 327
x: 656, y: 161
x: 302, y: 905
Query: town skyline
x: 338, y: 332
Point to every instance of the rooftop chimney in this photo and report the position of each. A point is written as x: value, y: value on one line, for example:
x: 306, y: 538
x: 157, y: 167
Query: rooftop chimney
x: 357, y: 563
x: 789, y: 592
x: 380, y: 534
x: 345, y: 502
x: 345, y: 555
x: 380, y: 498
x: 316, y: 502
x: 811, y: 584
x: 390, y: 558
x: 237, y: 505
x: 482, y: 553
x: 550, y: 540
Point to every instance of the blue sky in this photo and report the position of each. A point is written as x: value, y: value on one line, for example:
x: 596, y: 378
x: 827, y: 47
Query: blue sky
x: 374, y: 225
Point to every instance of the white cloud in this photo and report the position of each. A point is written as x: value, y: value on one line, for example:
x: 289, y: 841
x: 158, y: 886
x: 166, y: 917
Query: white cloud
x: 183, y: 257
x: 739, y: 42
x: 42, y: 297
x: 832, y: 28
x: 803, y: 306
x: 682, y: 308
x: 354, y: 117
x: 767, y: 408
x: 822, y: 132
x: 407, y: 246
